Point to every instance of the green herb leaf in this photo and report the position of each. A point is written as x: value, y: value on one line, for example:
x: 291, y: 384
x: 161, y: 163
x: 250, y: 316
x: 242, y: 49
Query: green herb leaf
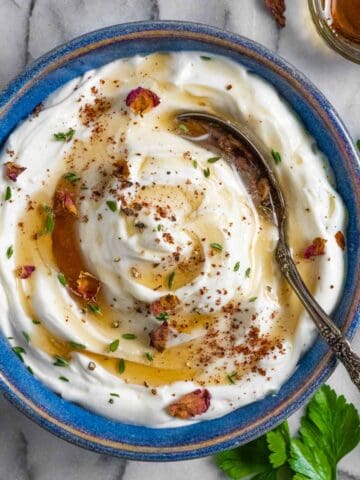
x: 30, y: 370
x: 159, y: 227
x: 9, y: 251
x: 114, y: 395
x: 61, y: 361
x: 36, y: 322
x: 216, y: 246
x: 49, y: 223
x: 279, y: 444
x: 330, y: 426
x: 213, y: 159
x: 149, y: 356
x: 94, y: 308
x: 64, y: 136
x: 206, y: 172
x: 72, y: 177
x: 121, y: 365
x: 195, y: 163
x: 171, y: 280
x: 62, y: 279
x: 64, y: 379
x: 183, y: 128
x: 8, y: 194
x: 309, y: 463
x: 19, y: 351
x: 112, y: 205
x: 128, y: 336
x: 247, y: 272
x: 236, y: 266
x: 26, y: 336
x: 163, y: 316
x: 358, y: 144
x: 252, y: 299
x: 77, y: 346
x: 205, y: 58
x: 276, y: 156
x: 231, y: 377
x: 114, y: 345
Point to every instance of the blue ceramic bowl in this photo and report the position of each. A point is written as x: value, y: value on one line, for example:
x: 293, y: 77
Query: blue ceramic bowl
x: 91, y: 431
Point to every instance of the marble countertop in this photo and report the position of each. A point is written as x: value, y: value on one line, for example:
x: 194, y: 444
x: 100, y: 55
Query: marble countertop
x: 29, y: 28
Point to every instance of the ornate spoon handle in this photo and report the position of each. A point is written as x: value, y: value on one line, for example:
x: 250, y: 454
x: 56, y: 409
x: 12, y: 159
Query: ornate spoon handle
x: 328, y: 330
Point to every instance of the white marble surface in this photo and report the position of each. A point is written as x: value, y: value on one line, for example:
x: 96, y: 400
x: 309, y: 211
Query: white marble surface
x: 28, y: 28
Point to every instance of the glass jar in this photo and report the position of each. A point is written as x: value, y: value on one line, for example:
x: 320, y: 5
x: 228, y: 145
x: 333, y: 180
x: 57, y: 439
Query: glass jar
x: 338, y: 22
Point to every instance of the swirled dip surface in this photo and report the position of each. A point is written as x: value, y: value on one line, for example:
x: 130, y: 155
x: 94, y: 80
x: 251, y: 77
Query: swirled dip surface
x: 154, y: 274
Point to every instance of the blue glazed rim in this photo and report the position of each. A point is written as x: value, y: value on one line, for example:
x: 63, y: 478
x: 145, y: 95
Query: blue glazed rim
x: 97, y: 433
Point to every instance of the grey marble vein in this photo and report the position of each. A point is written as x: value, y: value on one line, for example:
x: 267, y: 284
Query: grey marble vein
x: 29, y: 28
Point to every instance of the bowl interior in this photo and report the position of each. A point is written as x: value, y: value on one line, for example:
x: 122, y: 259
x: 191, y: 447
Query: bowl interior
x: 95, y: 432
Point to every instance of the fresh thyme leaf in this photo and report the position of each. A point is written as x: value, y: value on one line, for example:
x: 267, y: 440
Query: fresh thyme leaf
x: 9, y: 251
x: 247, y: 272
x: 114, y: 345
x: 183, y: 128
x: 149, y: 356
x: 129, y: 336
x: 94, y: 308
x: 62, y: 279
x: 112, y: 205
x: 171, y: 280
x: 195, y: 163
x: 77, y: 346
x: 206, y: 172
x: 276, y: 156
x: 26, y: 336
x: 49, y: 223
x: 163, y: 316
x: 72, y: 177
x: 121, y: 365
x: 60, y: 361
x: 205, y: 58
x: 64, y: 136
x: 159, y: 227
x: 358, y: 144
x: 64, y: 379
x: 231, y: 377
x: 8, y: 194
x: 19, y: 351
x: 236, y: 266
x: 213, y: 159
x: 252, y: 299
x: 114, y: 395
x: 36, y: 322
x: 216, y: 246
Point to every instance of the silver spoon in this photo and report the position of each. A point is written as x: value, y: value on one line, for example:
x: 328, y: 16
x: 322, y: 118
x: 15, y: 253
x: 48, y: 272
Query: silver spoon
x: 243, y: 151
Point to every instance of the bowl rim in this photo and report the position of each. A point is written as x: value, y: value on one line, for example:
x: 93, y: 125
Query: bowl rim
x: 184, y: 30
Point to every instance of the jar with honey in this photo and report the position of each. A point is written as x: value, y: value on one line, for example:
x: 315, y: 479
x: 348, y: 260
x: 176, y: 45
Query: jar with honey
x: 338, y: 22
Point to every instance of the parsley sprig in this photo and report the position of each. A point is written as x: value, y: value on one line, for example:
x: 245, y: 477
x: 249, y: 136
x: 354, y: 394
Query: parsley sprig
x: 329, y: 430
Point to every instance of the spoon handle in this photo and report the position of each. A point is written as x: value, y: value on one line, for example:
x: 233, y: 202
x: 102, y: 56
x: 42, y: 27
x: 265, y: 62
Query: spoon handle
x: 327, y: 328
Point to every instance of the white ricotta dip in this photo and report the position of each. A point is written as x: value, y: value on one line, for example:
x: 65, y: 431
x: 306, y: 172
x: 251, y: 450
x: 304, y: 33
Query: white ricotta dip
x: 119, y: 195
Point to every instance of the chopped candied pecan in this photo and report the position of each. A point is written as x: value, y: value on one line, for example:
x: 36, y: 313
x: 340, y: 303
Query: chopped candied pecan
x: 13, y: 170
x: 159, y: 337
x: 25, y: 271
x: 340, y: 239
x: 121, y: 169
x: 277, y: 9
x: 86, y: 286
x: 316, y: 248
x: 64, y: 203
x: 167, y: 303
x: 142, y: 100
x: 191, y: 404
